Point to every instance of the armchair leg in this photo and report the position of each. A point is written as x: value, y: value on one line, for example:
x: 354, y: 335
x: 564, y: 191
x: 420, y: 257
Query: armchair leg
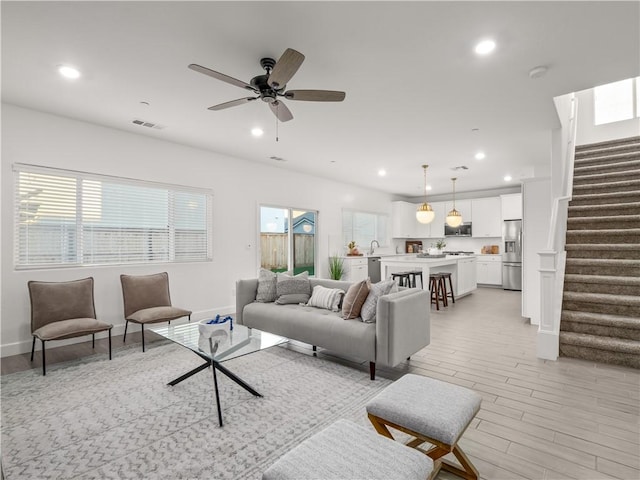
x: 109, y: 344
x: 33, y: 347
x: 44, y: 369
x: 93, y: 341
x: 189, y: 317
x: 125, y: 331
x: 372, y: 370
x: 142, y: 331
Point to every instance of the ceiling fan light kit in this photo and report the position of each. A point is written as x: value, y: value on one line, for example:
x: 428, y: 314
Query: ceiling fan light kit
x: 454, y: 217
x: 271, y: 85
x: 425, y: 213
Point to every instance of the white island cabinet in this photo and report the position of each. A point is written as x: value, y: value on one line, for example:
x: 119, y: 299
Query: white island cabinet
x: 462, y: 269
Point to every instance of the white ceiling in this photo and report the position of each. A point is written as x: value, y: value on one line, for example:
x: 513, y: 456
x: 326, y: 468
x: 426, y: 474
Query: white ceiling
x: 415, y: 89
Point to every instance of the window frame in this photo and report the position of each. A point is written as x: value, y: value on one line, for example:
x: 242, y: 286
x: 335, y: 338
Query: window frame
x: 384, y: 241
x: 79, y: 218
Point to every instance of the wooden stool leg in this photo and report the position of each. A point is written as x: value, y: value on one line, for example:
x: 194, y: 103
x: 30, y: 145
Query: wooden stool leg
x: 443, y: 291
x: 433, y: 286
x: 453, y: 298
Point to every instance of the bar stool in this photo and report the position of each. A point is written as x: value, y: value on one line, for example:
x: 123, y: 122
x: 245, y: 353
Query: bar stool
x: 445, y: 276
x: 437, y: 288
x: 403, y: 278
x: 416, y: 273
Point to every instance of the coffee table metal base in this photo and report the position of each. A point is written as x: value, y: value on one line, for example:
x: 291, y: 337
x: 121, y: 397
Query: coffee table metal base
x: 225, y: 371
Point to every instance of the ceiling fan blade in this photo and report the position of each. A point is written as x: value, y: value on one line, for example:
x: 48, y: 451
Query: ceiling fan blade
x: 315, y: 95
x: 221, y: 76
x: 281, y: 111
x: 232, y: 103
x: 285, y: 68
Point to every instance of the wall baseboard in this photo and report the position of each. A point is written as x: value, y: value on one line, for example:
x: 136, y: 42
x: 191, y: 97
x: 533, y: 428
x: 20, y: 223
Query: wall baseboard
x: 24, y: 346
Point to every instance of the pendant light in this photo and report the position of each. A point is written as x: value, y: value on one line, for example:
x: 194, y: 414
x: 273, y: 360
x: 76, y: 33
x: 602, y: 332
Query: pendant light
x: 425, y: 213
x: 454, y: 218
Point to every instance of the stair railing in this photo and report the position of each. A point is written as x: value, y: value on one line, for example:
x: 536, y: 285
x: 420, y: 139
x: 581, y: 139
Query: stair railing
x: 553, y: 258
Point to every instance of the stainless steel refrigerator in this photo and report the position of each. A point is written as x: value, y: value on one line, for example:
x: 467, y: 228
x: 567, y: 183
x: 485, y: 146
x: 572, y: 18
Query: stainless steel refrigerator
x: 512, y: 255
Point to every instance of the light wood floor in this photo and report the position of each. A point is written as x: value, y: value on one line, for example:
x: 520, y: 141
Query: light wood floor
x: 539, y: 419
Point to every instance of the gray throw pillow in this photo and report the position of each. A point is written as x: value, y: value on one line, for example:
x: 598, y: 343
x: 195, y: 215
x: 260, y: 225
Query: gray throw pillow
x: 293, y: 298
x: 288, y: 285
x: 370, y: 305
x: 327, y: 298
x: 266, y: 286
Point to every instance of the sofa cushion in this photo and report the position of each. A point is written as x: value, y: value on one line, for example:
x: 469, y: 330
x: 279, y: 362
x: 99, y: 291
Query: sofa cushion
x: 376, y: 290
x: 266, y: 286
x: 288, y: 285
x: 354, y: 298
x: 327, y: 298
x: 295, y: 298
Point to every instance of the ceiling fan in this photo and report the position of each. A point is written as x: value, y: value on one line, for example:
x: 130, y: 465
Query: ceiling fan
x: 271, y: 85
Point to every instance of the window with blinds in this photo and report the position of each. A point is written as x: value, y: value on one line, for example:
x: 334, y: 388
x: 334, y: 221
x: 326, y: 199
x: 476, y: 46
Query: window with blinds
x: 364, y: 227
x: 68, y: 218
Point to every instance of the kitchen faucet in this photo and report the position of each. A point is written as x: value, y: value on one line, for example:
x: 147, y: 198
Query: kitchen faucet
x: 372, y: 248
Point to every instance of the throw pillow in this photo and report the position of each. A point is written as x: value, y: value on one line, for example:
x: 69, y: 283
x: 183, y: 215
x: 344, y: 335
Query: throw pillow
x: 295, y: 298
x: 288, y: 285
x: 370, y: 305
x: 266, y: 286
x: 353, y: 299
x: 327, y: 298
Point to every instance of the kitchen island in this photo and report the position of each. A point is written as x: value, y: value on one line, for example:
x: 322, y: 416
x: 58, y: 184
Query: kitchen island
x: 461, y: 267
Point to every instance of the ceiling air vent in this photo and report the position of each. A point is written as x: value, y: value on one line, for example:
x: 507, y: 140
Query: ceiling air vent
x: 142, y: 123
x: 461, y: 167
x: 277, y: 159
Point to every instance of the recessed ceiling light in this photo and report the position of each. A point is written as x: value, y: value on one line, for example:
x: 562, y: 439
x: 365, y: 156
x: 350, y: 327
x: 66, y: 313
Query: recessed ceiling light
x: 485, y: 47
x: 68, y: 72
x: 427, y: 188
x: 480, y: 156
x: 507, y: 178
x: 257, y: 132
x: 382, y: 172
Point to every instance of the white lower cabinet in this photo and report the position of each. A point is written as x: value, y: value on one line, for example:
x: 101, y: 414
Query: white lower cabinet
x: 490, y: 270
x: 356, y: 269
x: 466, y: 281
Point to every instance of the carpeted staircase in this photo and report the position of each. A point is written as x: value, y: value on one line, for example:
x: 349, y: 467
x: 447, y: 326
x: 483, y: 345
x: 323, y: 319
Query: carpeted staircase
x: 601, y: 301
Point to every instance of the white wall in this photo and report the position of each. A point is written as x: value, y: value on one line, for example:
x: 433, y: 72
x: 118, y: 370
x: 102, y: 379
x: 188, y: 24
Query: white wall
x: 590, y: 133
x: 239, y: 187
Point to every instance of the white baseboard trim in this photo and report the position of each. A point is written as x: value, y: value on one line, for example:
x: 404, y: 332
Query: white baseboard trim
x: 24, y: 346
x: 548, y: 345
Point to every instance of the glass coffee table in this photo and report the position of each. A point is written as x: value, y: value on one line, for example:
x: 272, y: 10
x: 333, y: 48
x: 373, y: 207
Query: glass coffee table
x: 224, y: 345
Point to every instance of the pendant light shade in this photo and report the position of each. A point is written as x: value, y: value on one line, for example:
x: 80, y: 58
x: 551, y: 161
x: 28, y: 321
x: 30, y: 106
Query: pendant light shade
x: 454, y: 218
x: 425, y: 213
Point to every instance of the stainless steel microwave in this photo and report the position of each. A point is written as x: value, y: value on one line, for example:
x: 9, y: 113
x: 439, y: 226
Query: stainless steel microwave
x: 463, y: 230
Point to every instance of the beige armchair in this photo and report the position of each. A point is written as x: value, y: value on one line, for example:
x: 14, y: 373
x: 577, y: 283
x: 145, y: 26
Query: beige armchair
x: 62, y: 310
x: 147, y: 300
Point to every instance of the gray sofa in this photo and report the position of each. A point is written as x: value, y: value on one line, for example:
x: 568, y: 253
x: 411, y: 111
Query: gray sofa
x: 401, y: 329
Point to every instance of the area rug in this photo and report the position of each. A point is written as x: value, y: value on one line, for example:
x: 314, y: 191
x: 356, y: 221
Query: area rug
x: 94, y: 418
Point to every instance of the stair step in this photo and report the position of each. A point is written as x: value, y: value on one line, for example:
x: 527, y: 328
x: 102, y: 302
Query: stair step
x: 617, y: 143
x: 610, y: 198
x: 602, y: 284
x: 581, y: 170
x: 602, y: 319
x: 605, y: 177
x: 626, y: 305
x: 603, y: 222
x: 600, y: 158
x: 614, y: 235
x: 629, y: 251
x: 617, y: 351
x: 607, y: 299
x: 631, y: 185
x: 604, y: 209
x: 603, y: 266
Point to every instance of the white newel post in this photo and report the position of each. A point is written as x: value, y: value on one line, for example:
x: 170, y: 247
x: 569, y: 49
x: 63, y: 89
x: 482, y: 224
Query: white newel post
x: 549, y: 329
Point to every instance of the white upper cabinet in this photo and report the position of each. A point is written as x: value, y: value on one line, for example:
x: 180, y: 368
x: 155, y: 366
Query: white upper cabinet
x: 511, y: 206
x: 463, y: 206
x: 487, y: 217
x: 436, y: 228
x: 403, y: 220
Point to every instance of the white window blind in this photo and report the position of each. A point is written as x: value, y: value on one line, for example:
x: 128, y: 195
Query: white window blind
x: 74, y: 218
x: 363, y: 228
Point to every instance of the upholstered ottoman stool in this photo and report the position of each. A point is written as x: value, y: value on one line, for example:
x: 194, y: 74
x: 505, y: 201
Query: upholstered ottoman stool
x: 346, y: 451
x: 432, y: 411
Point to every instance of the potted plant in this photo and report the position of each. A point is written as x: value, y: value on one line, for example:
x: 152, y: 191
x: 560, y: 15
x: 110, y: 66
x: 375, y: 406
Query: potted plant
x: 439, y: 245
x: 336, y: 267
x: 353, y: 250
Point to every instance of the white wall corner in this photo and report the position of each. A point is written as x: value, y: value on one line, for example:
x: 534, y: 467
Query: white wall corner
x: 548, y: 345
